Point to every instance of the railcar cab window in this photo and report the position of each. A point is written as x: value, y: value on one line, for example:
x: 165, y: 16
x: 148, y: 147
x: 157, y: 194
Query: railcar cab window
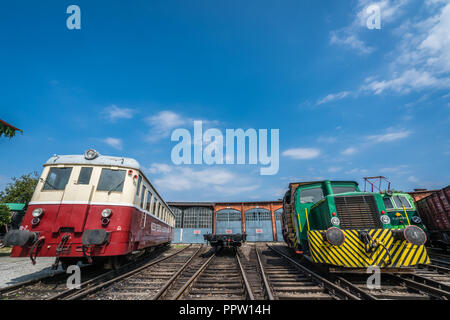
x: 57, y: 178
x: 149, y: 199
x: 85, y: 175
x: 111, y: 180
x: 388, y: 203
x: 311, y: 195
x: 342, y: 189
x: 401, y: 201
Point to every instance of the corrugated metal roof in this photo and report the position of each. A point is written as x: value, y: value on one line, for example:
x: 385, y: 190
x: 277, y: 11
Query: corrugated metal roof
x: 15, y: 206
x: 100, y: 160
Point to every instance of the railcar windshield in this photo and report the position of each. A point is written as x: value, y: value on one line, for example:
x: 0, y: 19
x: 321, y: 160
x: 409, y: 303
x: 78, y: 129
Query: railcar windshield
x: 57, y: 178
x: 311, y: 195
x: 85, y: 175
x: 343, y: 189
x: 388, y: 203
x: 111, y: 180
x: 401, y: 201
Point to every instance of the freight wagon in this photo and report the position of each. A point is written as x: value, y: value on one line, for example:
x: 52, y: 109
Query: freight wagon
x: 435, y: 212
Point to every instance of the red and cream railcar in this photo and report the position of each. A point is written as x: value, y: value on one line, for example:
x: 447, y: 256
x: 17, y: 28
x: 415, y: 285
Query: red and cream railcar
x: 92, y: 207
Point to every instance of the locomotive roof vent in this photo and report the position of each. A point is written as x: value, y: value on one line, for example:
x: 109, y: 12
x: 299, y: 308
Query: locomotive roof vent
x: 91, y: 154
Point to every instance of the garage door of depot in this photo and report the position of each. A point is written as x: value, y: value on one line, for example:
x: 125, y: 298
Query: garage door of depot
x: 258, y: 225
x: 228, y: 221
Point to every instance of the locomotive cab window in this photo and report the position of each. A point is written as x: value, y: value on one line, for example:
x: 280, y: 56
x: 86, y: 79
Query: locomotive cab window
x: 85, y: 175
x: 57, y: 178
x: 401, y: 201
x: 388, y: 203
x: 111, y: 180
x: 311, y: 195
x: 343, y: 189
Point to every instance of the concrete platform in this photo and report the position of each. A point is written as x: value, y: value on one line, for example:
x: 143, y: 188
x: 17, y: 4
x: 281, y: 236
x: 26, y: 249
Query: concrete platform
x: 17, y: 270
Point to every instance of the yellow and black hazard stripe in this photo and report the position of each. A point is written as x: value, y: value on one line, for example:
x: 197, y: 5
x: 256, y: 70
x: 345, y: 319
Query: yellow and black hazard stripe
x: 387, y: 252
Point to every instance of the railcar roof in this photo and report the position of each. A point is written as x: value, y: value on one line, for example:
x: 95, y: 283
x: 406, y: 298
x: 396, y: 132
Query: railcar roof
x: 99, y: 161
x: 320, y: 181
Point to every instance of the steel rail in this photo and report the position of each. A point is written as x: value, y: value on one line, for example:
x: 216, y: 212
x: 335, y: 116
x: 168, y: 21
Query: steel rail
x: 359, y: 292
x: 333, y: 288
x: 175, y: 276
x: 442, y: 263
x: 244, y: 277
x: 439, y: 269
x: 80, y: 293
x: 180, y: 292
x: 426, y: 288
x: 20, y: 285
x: 267, y: 287
x: 427, y: 281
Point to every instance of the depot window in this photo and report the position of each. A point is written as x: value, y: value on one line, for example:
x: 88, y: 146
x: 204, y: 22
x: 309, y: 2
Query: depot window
x: 111, y: 180
x: 85, y: 175
x: 388, y: 203
x: 401, y: 201
x: 342, y: 189
x: 57, y: 178
x: 311, y: 195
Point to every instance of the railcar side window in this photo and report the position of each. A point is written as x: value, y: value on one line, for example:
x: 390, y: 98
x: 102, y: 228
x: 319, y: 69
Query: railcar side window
x: 311, y: 195
x: 149, y: 198
x: 111, y: 180
x: 401, y: 201
x: 143, y: 196
x: 57, y: 178
x: 388, y: 203
x: 85, y: 175
x: 138, y: 185
x: 337, y: 190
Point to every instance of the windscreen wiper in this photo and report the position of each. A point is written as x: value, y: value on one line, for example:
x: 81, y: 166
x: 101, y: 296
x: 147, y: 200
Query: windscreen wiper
x: 46, y: 182
x: 110, y: 190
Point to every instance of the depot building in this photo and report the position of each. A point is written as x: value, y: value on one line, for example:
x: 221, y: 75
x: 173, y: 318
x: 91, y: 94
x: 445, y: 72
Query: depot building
x: 261, y: 221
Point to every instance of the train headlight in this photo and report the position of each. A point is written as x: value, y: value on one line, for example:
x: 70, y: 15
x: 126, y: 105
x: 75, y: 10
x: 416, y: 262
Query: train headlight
x: 385, y: 219
x: 37, y: 212
x: 415, y: 235
x: 106, y: 213
x: 416, y: 219
x: 91, y: 154
x: 335, y: 236
x: 335, y: 221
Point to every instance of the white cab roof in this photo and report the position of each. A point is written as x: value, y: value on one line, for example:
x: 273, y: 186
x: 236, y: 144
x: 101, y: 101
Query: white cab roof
x: 100, y: 161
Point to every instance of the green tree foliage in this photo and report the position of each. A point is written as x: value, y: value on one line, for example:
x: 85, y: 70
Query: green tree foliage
x: 5, y: 214
x: 7, y: 131
x: 21, y: 189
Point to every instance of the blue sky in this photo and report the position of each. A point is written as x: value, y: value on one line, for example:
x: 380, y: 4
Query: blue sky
x: 348, y: 101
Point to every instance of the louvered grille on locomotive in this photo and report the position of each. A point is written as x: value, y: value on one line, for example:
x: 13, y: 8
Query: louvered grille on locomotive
x: 357, y: 212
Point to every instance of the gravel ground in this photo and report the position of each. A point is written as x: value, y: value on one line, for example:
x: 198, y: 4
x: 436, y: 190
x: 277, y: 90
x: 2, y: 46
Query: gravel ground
x: 16, y: 270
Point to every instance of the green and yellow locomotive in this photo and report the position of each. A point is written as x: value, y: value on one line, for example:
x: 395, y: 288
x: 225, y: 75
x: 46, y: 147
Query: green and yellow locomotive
x: 335, y: 224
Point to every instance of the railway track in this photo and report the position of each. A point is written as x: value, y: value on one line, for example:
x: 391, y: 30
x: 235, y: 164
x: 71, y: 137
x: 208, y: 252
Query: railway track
x: 220, y: 277
x: 54, y: 286
x: 286, y: 278
x: 138, y: 283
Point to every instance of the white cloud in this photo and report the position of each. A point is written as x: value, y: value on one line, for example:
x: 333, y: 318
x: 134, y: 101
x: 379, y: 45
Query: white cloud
x: 407, y: 81
x: 163, y: 123
x: 302, y: 153
x: 334, y: 169
x: 390, y: 11
x: 160, y: 168
x: 390, y: 136
x: 114, y: 142
x: 349, y: 151
x: 333, y: 97
x: 413, y: 179
x: 327, y: 139
x: 114, y: 113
